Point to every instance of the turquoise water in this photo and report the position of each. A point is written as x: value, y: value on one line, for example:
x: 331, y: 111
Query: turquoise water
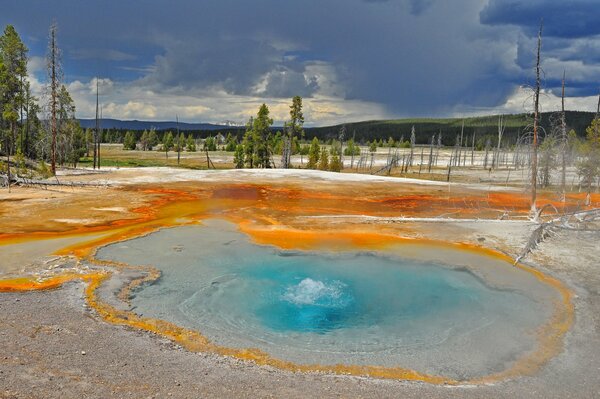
x: 356, y: 308
x: 320, y: 293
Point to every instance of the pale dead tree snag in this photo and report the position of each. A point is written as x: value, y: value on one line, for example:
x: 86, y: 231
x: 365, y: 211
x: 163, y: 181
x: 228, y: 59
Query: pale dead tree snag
x: 430, y: 160
x: 473, y: 150
x: 488, y: 143
x: 536, y: 105
x: 501, y: 128
x: 54, y: 72
x: 97, y: 130
x: 100, y: 132
x: 564, y: 144
x: 413, y: 141
x: 178, y: 139
x: 462, y: 130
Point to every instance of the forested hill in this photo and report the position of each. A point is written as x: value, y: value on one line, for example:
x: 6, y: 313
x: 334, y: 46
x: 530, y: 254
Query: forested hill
x: 482, y: 127
x: 426, y: 127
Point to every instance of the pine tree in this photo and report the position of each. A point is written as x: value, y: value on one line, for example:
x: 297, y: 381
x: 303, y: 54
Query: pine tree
x: 143, y: 140
x: 313, y: 154
x: 167, y: 143
x: 129, y: 140
x: 191, y: 143
x: 293, y: 130
x: 238, y: 156
x: 335, y: 165
x: 152, y: 139
x: 324, y: 159
x: 262, y: 132
x: 14, y: 69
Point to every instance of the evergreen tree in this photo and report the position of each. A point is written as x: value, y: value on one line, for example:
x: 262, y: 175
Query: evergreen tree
x: 324, y: 159
x: 143, y: 140
x: 191, y: 143
x: 262, y: 132
x: 351, y: 148
x: 181, y: 142
x: 313, y: 154
x: 13, y: 70
x: 167, y: 143
x: 238, y: 156
x: 129, y: 140
x: 230, y: 143
x: 210, y: 144
x: 373, y: 146
x: 152, y: 139
x: 293, y: 130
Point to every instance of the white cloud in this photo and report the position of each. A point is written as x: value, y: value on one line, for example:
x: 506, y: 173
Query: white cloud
x: 129, y: 101
x: 521, y: 100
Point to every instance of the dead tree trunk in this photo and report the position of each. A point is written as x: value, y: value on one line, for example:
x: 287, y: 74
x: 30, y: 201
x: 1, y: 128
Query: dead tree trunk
x: 53, y: 93
x: 462, y: 130
x: 535, y: 126
x: 99, y: 137
x: 487, y: 150
x: 8, y: 149
x: 97, y: 129
x: 178, y: 140
x: 413, y: 141
x: 501, y: 127
x: 563, y: 128
x: 430, y: 160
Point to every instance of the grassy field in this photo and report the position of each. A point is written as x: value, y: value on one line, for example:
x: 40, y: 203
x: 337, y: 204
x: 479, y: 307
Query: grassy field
x: 115, y: 156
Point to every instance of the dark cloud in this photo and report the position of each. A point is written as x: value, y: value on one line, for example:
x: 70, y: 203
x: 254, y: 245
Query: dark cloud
x: 413, y: 57
x: 570, y: 40
x: 417, y: 7
x: 569, y: 19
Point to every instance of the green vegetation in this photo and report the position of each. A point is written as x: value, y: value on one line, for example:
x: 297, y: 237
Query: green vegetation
x: 22, y: 134
x: 351, y: 148
x: 129, y: 142
x: 482, y: 127
x: 589, y: 166
x: 313, y: 154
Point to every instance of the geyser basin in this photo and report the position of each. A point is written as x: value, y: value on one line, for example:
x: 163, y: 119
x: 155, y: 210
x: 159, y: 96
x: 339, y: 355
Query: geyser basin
x: 432, y: 309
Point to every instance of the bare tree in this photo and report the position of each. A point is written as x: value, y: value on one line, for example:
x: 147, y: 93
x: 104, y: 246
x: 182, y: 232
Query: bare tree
x: 179, y: 143
x: 473, y: 150
x: 54, y: 72
x: 413, y: 141
x: 487, y: 150
x: 536, y: 102
x: 96, y: 131
x: 501, y: 128
x: 462, y: 130
x: 564, y: 144
x: 430, y: 160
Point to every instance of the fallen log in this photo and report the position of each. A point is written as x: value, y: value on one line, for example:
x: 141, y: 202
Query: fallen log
x: 48, y: 183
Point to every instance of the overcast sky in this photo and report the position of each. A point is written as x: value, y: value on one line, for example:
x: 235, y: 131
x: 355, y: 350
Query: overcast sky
x: 351, y: 60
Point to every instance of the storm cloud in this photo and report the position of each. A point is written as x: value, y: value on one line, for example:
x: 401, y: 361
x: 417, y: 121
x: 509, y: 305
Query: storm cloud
x: 349, y: 59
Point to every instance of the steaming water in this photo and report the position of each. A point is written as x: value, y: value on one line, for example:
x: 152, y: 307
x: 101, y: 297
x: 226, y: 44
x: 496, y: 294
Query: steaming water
x: 351, y: 308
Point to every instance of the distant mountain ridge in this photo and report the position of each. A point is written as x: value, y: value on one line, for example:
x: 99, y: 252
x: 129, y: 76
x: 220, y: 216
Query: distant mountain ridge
x: 106, y: 123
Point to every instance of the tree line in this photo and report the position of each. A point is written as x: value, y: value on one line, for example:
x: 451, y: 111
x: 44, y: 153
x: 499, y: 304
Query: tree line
x: 31, y: 128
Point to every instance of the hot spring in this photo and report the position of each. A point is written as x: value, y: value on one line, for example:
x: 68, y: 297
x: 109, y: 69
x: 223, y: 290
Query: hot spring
x: 428, y: 308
